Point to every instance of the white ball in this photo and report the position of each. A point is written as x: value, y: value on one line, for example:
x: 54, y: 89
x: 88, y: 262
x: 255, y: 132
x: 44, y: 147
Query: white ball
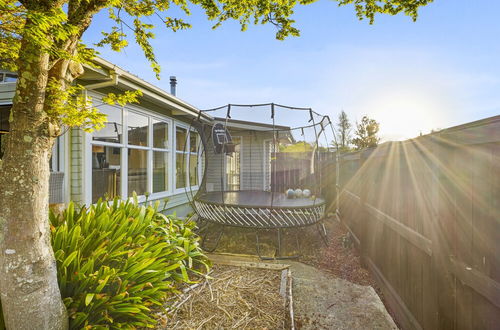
x: 290, y: 193
x: 306, y: 193
x: 298, y: 193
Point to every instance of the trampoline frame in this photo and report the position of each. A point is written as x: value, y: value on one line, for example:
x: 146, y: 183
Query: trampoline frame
x: 260, y: 216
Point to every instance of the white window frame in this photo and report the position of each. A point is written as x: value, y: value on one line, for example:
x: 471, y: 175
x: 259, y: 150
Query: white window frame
x: 124, y: 147
x: 226, y: 187
x: 187, y: 152
x: 266, y: 166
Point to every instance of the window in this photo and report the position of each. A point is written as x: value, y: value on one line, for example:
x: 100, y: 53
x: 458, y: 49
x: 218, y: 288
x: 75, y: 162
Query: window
x: 112, y: 131
x: 194, y: 142
x: 180, y: 157
x: 142, y: 153
x: 137, y: 161
x: 161, y: 155
x: 233, y: 166
x: 8, y: 77
x: 187, y: 160
x: 160, y: 134
x: 137, y: 128
x: 160, y: 171
x: 106, y: 165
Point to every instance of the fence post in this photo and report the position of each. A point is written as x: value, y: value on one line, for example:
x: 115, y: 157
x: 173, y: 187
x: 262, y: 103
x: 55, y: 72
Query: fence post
x: 444, y: 233
x: 363, y: 212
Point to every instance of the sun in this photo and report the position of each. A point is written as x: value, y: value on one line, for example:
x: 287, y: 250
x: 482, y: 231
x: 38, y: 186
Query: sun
x: 404, y: 114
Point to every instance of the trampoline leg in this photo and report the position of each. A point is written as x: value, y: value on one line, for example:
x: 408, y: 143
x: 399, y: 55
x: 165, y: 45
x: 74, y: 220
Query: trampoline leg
x: 203, y: 240
x: 278, y: 249
x: 322, y: 232
x: 279, y: 243
x: 257, y: 245
x: 203, y: 226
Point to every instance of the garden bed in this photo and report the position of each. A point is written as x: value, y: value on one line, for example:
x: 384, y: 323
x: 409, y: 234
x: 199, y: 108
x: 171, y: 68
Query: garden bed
x: 232, y: 298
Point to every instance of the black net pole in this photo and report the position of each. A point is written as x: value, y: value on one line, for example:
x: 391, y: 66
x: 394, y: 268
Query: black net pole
x: 273, y: 168
x: 315, y: 150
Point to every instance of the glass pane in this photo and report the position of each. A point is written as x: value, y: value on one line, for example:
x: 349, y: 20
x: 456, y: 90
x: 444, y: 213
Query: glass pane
x: 105, y: 172
x: 112, y: 131
x: 233, y: 166
x: 160, y: 171
x: 180, y: 138
x: 137, y: 171
x: 10, y: 77
x: 193, y: 140
x: 137, y: 129
x: 193, y: 170
x: 160, y: 134
x: 180, y: 170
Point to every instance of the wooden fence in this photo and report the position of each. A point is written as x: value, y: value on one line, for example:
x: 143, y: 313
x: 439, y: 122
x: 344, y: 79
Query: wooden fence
x: 425, y: 214
x: 315, y: 172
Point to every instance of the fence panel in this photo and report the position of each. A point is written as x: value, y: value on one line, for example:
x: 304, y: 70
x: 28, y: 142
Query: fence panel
x: 425, y: 214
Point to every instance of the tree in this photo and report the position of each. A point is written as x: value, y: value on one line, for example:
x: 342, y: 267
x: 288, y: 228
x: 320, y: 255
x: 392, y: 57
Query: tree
x: 342, y: 137
x: 41, y: 41
x: 300, y: 146
x: 366, y: 133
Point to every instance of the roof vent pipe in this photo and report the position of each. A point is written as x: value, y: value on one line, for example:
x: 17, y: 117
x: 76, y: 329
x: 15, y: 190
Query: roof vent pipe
x: 173, y: 85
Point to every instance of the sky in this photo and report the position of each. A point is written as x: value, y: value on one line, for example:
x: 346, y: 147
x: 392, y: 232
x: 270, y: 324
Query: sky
x: 412, y: 77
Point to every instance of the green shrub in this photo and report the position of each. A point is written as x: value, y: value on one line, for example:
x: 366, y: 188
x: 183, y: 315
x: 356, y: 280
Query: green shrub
x: 117, y: 260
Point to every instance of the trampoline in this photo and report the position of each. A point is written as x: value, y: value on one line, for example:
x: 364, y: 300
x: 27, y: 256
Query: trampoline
x: 254, y: 171
x: 253, y: 209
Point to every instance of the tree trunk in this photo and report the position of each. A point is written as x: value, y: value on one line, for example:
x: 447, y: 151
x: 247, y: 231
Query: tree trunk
x: 28, y: 276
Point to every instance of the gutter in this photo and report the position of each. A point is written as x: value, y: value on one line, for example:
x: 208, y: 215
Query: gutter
x: 111, y: 82
x: 148, y: 89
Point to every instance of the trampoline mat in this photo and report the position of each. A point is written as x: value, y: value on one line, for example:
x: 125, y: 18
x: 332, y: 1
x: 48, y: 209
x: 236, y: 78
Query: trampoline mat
x: 257, y: 199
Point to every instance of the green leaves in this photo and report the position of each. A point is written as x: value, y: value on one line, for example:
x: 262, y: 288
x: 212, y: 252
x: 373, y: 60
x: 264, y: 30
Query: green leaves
x: 116, y: 260
x: 369, y: 8
x: 124, y: 98
x: 366, y: 133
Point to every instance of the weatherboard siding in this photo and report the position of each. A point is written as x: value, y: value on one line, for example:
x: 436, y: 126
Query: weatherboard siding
x: 252, y: 169
x: 76, y: 165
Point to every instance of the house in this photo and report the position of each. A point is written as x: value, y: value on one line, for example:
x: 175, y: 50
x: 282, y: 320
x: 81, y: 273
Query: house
x: 151, y: 147
x: 249, y: 166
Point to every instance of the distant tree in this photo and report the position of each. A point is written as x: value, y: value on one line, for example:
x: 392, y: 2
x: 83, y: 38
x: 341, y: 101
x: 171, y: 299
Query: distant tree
x: 366, y: 133
x: 342, y: 138
x: 300, y: 146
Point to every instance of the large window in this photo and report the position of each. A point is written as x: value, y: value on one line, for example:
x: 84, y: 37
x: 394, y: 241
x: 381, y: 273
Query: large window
x: 142, y: 153
x: 132, y: 153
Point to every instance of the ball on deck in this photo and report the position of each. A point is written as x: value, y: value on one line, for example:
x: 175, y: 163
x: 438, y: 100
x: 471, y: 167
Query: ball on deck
x: 298, y: 193
x: 306, y: 193
x: 290, y: 193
